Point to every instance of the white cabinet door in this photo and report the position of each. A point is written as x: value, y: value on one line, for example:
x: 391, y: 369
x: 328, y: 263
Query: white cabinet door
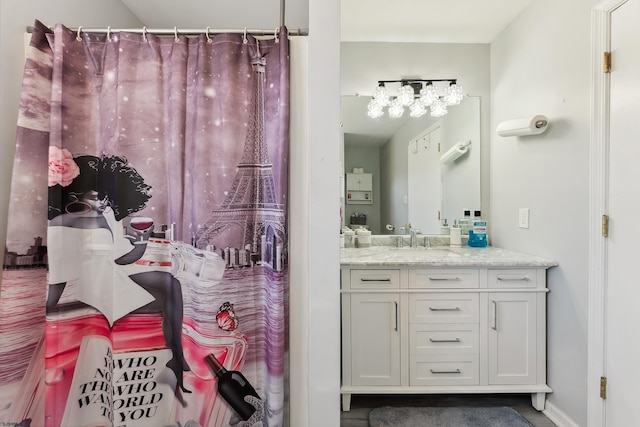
x: 360, y: 181
x: 375, y: 339
x: 512, y: 338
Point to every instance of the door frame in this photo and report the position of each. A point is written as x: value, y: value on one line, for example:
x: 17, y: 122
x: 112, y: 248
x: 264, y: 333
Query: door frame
x: 598, y: 206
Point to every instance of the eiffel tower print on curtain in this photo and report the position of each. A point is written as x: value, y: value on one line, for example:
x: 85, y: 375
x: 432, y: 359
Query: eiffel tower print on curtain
x: 251, y: 202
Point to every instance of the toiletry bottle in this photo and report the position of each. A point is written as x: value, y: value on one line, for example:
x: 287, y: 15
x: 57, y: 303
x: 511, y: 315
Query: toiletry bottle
x: 445, y: 229
x: 455, y: 239
x: 465, y: 223
x: 478, y: 232
x: 477, y: 215
x: 234, y: 387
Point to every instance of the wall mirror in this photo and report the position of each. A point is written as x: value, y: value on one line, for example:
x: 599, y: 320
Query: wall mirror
x: 410, y: 182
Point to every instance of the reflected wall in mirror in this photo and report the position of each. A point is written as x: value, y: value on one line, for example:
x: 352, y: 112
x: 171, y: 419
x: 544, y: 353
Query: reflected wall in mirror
x: 410, y: 185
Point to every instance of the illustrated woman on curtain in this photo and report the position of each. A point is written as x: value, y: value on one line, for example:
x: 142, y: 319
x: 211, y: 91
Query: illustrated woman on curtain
x: 89, y: 196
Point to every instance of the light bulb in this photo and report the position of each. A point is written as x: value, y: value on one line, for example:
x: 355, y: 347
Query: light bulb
x: 405, y: 95
x: 417, y: 110
x: 438, y: 108
x: 453, y: 94
x: 374, y: 110
x: 395, y: 109
x: 381, y: 95
x: 428, y: 94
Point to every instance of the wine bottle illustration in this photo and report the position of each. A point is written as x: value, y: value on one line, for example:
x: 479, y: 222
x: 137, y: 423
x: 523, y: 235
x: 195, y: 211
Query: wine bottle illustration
x: 233, y: 387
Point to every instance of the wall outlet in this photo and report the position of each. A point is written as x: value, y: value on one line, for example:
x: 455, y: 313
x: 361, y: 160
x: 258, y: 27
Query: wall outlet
x: 523, y: 218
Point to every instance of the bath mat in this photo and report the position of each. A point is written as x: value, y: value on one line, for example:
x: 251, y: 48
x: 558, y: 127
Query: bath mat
x: 388, y: 416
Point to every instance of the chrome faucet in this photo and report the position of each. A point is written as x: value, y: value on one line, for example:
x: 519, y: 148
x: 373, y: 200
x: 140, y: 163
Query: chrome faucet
x: 414, y: 237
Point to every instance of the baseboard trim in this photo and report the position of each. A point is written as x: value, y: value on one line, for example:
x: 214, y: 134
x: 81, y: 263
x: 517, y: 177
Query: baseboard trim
x: 558, y: 417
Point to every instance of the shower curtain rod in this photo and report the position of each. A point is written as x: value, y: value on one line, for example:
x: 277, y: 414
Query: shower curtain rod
x: 187, y: 31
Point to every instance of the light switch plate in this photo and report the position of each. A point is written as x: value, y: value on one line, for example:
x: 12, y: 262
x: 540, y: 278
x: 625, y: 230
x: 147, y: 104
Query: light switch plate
x: 523, y: 218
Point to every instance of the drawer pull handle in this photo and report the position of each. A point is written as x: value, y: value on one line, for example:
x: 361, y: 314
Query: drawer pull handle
x: 375, y: 280
x: 396, y: 327
x: 494, y: 322
x: 444, y: 278
x: 453, y: 340
x: 514, y: 279
x: 457, y: 371
x: 444, y: 309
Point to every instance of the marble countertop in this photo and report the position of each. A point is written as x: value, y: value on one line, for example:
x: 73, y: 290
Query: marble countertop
x: 439, y: 256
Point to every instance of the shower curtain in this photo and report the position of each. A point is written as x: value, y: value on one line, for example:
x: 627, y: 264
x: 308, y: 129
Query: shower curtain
x: 145, y: 273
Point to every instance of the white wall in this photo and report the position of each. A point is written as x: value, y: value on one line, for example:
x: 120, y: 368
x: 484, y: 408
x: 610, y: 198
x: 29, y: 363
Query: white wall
x: 540, y: 64
x: 324, y: 215
x: 367, y: 158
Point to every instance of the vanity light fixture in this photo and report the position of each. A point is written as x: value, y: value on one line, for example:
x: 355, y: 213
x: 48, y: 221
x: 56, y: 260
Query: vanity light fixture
x: 417, y: 95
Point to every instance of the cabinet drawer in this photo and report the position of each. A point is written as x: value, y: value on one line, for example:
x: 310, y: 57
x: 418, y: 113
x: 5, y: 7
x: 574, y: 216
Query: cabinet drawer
x: 444, y: 339
x: 375, y: 279
x: 518, y: 278
x: 443, y: 278
x: 444, y: 370
x: 444, y: 308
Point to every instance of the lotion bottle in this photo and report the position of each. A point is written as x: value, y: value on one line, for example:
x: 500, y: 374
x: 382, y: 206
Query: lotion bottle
x: 455, y: 238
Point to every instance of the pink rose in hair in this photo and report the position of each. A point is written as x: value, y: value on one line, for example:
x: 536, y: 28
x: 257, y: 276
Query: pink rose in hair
x: 62, y: 168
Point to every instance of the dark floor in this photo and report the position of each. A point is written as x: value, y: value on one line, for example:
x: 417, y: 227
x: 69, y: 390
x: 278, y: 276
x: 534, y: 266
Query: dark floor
x: 358, y: 416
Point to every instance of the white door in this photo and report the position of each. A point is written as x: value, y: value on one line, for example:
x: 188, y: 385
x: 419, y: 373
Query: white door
x: 622, y: 342
x: 375, y: 339
x: 424, y: 182
x: 512, y: 338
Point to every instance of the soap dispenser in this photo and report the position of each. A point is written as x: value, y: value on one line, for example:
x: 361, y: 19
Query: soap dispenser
x: 445, y: 229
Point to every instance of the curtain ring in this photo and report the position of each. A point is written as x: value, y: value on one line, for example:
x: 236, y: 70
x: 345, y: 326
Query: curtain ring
x: 144, y: 33
x: 79, y: 34
x: 244, y: 36
x: 175, y: 34
x: 275, y: 34
x: 108, y: 34
x: 208, y: 38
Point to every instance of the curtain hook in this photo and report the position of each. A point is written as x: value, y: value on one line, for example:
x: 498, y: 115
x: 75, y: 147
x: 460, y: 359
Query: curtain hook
x: 144, y: 33
x: 108, y: 34
x: 275, y: 34
x: 79, y: 34
x: 175, y: 34
x: 244, y: 36
x: 208, y: 38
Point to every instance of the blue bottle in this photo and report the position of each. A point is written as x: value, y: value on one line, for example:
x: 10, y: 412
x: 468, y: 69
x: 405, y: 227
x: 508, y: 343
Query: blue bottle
x: 478, y: 232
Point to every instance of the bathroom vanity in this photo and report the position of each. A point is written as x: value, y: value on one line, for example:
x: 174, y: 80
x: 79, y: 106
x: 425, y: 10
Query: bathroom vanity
x: 443, y: 320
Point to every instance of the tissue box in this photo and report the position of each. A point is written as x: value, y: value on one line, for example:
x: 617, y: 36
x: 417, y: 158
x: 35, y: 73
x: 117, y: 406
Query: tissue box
x: 358, y: 219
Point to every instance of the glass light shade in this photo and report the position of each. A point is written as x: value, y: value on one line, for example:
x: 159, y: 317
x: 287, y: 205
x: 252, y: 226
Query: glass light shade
x: 428, y: 94
x: 453, y: 95
x: 438, y: 108
x: 396, y: 109
x: 417, y: 110
x: 374, y: 110
x: 405, y: 95
x: 381, y: 96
